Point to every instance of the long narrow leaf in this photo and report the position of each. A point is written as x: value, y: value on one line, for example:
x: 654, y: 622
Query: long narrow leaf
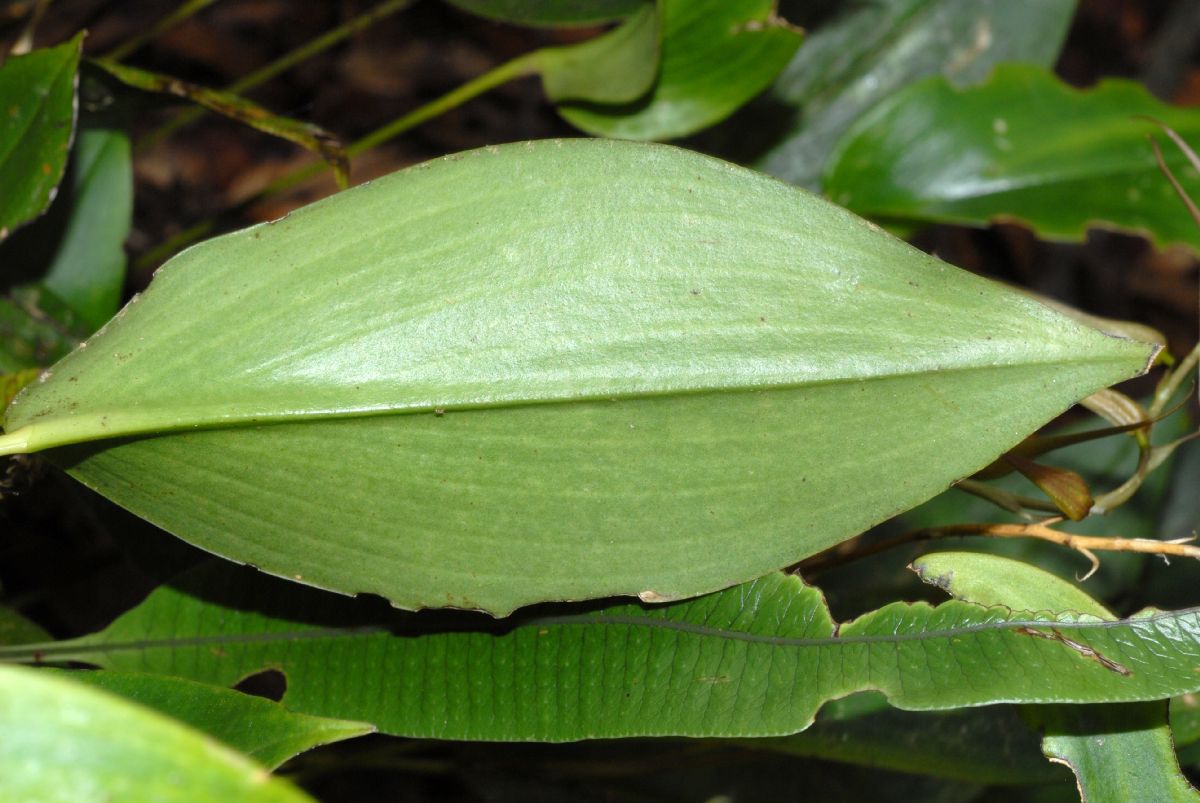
x: 755, y: 660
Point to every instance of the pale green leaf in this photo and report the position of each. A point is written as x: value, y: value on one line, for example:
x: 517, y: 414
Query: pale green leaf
x: 617, y: 67
x: 1021, y: 146
x: 869, y: 51
x: 556, y: 370
x: 716, y: 55
x: 754, y: 660
x: 37, y: 120
x: 1117, y: 752
x: 65, y: 741
x: 263, y: 730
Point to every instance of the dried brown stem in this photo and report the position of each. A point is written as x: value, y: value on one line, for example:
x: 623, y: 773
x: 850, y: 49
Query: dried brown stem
x: 1086, y: 545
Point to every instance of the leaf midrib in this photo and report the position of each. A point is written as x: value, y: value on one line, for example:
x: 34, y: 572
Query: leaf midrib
x: 88, y: 645
x: 51, y: 432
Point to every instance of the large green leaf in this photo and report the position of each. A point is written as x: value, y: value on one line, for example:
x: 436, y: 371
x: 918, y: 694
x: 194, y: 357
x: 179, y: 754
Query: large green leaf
x: 1117, y: 752
x: 65, y: 741
x: 1021, y: 146
x: 716, y: 55
x: 554, y: 370
x: 37, y: 119
x: 88, y: 268
x: 553, y: 12
x: 263, y: 730
x: 757, y: 659
x: 869, y: 51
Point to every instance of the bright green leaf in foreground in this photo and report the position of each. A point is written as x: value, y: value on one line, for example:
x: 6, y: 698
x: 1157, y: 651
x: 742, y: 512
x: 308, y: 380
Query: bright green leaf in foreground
x: 553, y: 12
x: 868, y: 51
x: 68, y: 742
x: 756, y: 659
x: 37, y: 119
x: 263, y: 730
x: 716, y: 55
x: 1022, y: 146
x: 1117, y: 752
x: 556, y: 370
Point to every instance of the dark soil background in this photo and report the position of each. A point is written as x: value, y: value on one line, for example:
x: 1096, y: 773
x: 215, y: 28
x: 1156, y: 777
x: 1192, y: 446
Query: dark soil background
x: 72, y: 561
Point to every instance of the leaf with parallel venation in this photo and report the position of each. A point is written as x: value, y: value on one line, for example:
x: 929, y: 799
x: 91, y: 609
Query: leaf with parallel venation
x: 556, y: 370
x: 1021, y: 146
x: 754, y: 660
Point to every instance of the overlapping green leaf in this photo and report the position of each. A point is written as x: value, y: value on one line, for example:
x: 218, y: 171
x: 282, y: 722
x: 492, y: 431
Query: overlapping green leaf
x: 553, y: 12
x: 1021, y: 146
x: 1117, y: 752
x: 757, y: 659
x: 716, y: 55
x: 616, y: 67
x: 869, y: 51
x: 554, y: 370
x: 37, y: 120
x: 65, y: 741
x: 88, y: 268
x: 263, y: 730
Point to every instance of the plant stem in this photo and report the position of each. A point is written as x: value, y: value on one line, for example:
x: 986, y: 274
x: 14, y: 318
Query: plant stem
x: 516, y: 68
x: 280, y: 65
x: 187, y: 9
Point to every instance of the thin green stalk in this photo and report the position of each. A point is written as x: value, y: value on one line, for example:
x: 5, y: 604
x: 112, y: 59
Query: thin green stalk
x: 280, y: 65
x: 1172, y: 381
x: 516, y: 68
x: 187, y: 9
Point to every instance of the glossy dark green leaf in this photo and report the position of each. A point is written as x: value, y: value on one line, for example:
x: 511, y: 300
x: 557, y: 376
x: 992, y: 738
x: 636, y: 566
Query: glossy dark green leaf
x: 716, y: 55
x: 1117, y: 752
x: 869, y: 51
x: 64, y: 741
x: 553, y: 12
x: 757, y: 659
x: 556, y: 370
x: 261, y: 729
x: 88, y: 268
x: 37, y: 120
x: 1021, y: 146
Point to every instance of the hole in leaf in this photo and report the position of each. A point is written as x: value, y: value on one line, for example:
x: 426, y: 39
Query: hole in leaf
x: 269, y: 683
